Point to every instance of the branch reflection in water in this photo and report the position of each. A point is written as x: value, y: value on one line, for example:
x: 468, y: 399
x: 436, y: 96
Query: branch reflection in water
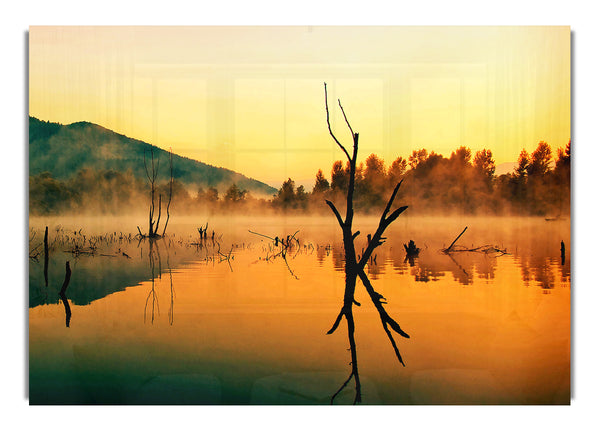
x: 154, y: 258
x: 152, y: 298
x: 280, y: 247
x: 63, y: 293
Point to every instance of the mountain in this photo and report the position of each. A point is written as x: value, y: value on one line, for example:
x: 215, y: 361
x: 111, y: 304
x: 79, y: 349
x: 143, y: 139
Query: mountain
x: 63, y: 150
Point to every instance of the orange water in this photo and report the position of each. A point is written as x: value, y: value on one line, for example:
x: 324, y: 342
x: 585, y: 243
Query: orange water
x: 188, y: 325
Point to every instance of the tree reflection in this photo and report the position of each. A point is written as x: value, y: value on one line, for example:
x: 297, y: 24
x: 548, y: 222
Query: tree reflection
x: 459, y: 272
x: 540, y: 270
x: 65, y: 302
x: 172, y: 302
x: 63, y: 294
x: 337, y: 253
x: 410, y: 259
x: 373, y: 269
x: 486, y: 267
x: 151, y: 305
x: 424, y: 274
x: 152, y: 298
x: 322, y: 252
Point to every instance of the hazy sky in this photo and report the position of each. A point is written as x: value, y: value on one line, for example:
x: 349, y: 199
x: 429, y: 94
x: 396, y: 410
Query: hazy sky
x: 251, y: 98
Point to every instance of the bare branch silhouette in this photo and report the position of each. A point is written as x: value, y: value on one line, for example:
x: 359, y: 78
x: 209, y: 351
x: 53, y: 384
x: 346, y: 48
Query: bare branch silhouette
x: 152, y: 175
x: 329, y: 126
x: 456, y: 239
x: 354, y: 269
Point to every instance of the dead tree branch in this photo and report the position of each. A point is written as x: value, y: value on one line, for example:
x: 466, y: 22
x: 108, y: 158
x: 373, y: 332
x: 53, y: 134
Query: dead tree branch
x: 446, y: 250
x: 482, y: 248
x: 46, y: 257
x: 329, y: 126
x: 354, y: 269
x: 170, y: 190
x: 152, y: 175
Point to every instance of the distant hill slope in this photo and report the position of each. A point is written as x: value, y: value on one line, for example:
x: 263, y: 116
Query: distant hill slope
x: 63, y: 150
x: 506, y: 168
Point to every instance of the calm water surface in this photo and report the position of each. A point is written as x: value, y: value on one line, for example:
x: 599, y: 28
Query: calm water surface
x: 184, y: 321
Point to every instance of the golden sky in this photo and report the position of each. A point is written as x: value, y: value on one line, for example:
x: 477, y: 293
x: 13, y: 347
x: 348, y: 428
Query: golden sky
x: 251, y: 98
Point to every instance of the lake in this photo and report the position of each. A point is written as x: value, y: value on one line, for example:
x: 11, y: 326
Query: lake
x: 184, y: 320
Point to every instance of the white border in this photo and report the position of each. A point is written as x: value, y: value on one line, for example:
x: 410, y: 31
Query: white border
x: 580, y: 15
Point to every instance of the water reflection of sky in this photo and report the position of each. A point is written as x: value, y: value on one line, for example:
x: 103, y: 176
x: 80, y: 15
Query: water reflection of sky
x: 178, y: 315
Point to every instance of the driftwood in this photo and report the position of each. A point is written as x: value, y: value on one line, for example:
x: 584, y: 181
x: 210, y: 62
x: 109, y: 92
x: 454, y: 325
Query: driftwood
x: 79, y: 244
x: 286, y: 242
x: 447, y: 250
x: 482, y: 248
x: 77, y: 251
x: 354, y: 267
x: 283, y: 245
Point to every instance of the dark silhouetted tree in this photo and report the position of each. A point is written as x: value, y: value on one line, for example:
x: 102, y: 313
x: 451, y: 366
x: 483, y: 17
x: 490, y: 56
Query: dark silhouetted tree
x: 374, y: 175
x: 301, y: 197
x: 211, y: 195
x: 485, y: 166
x: 152, y: 170
x: 396, y: 171
x: 234, y: 194
x: 461, y: 156
x: 286, y: 197
x: 339, y: 177
x: 539, y: 164
x: 417, y: 157
x: 321, y: 183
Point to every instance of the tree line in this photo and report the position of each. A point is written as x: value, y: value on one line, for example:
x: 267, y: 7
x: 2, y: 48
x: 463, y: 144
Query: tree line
x: 98, y: 191
x: 463, y: 183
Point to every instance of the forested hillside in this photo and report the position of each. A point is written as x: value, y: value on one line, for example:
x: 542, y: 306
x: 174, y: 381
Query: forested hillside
x: 64, y: 151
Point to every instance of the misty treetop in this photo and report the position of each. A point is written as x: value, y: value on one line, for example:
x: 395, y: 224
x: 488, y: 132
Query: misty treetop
x: 461, y: 184
x: 66, y: 175
x: 464, y: 183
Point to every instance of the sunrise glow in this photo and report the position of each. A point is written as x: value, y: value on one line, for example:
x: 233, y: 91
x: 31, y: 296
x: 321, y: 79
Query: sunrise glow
x: 251, y: 98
